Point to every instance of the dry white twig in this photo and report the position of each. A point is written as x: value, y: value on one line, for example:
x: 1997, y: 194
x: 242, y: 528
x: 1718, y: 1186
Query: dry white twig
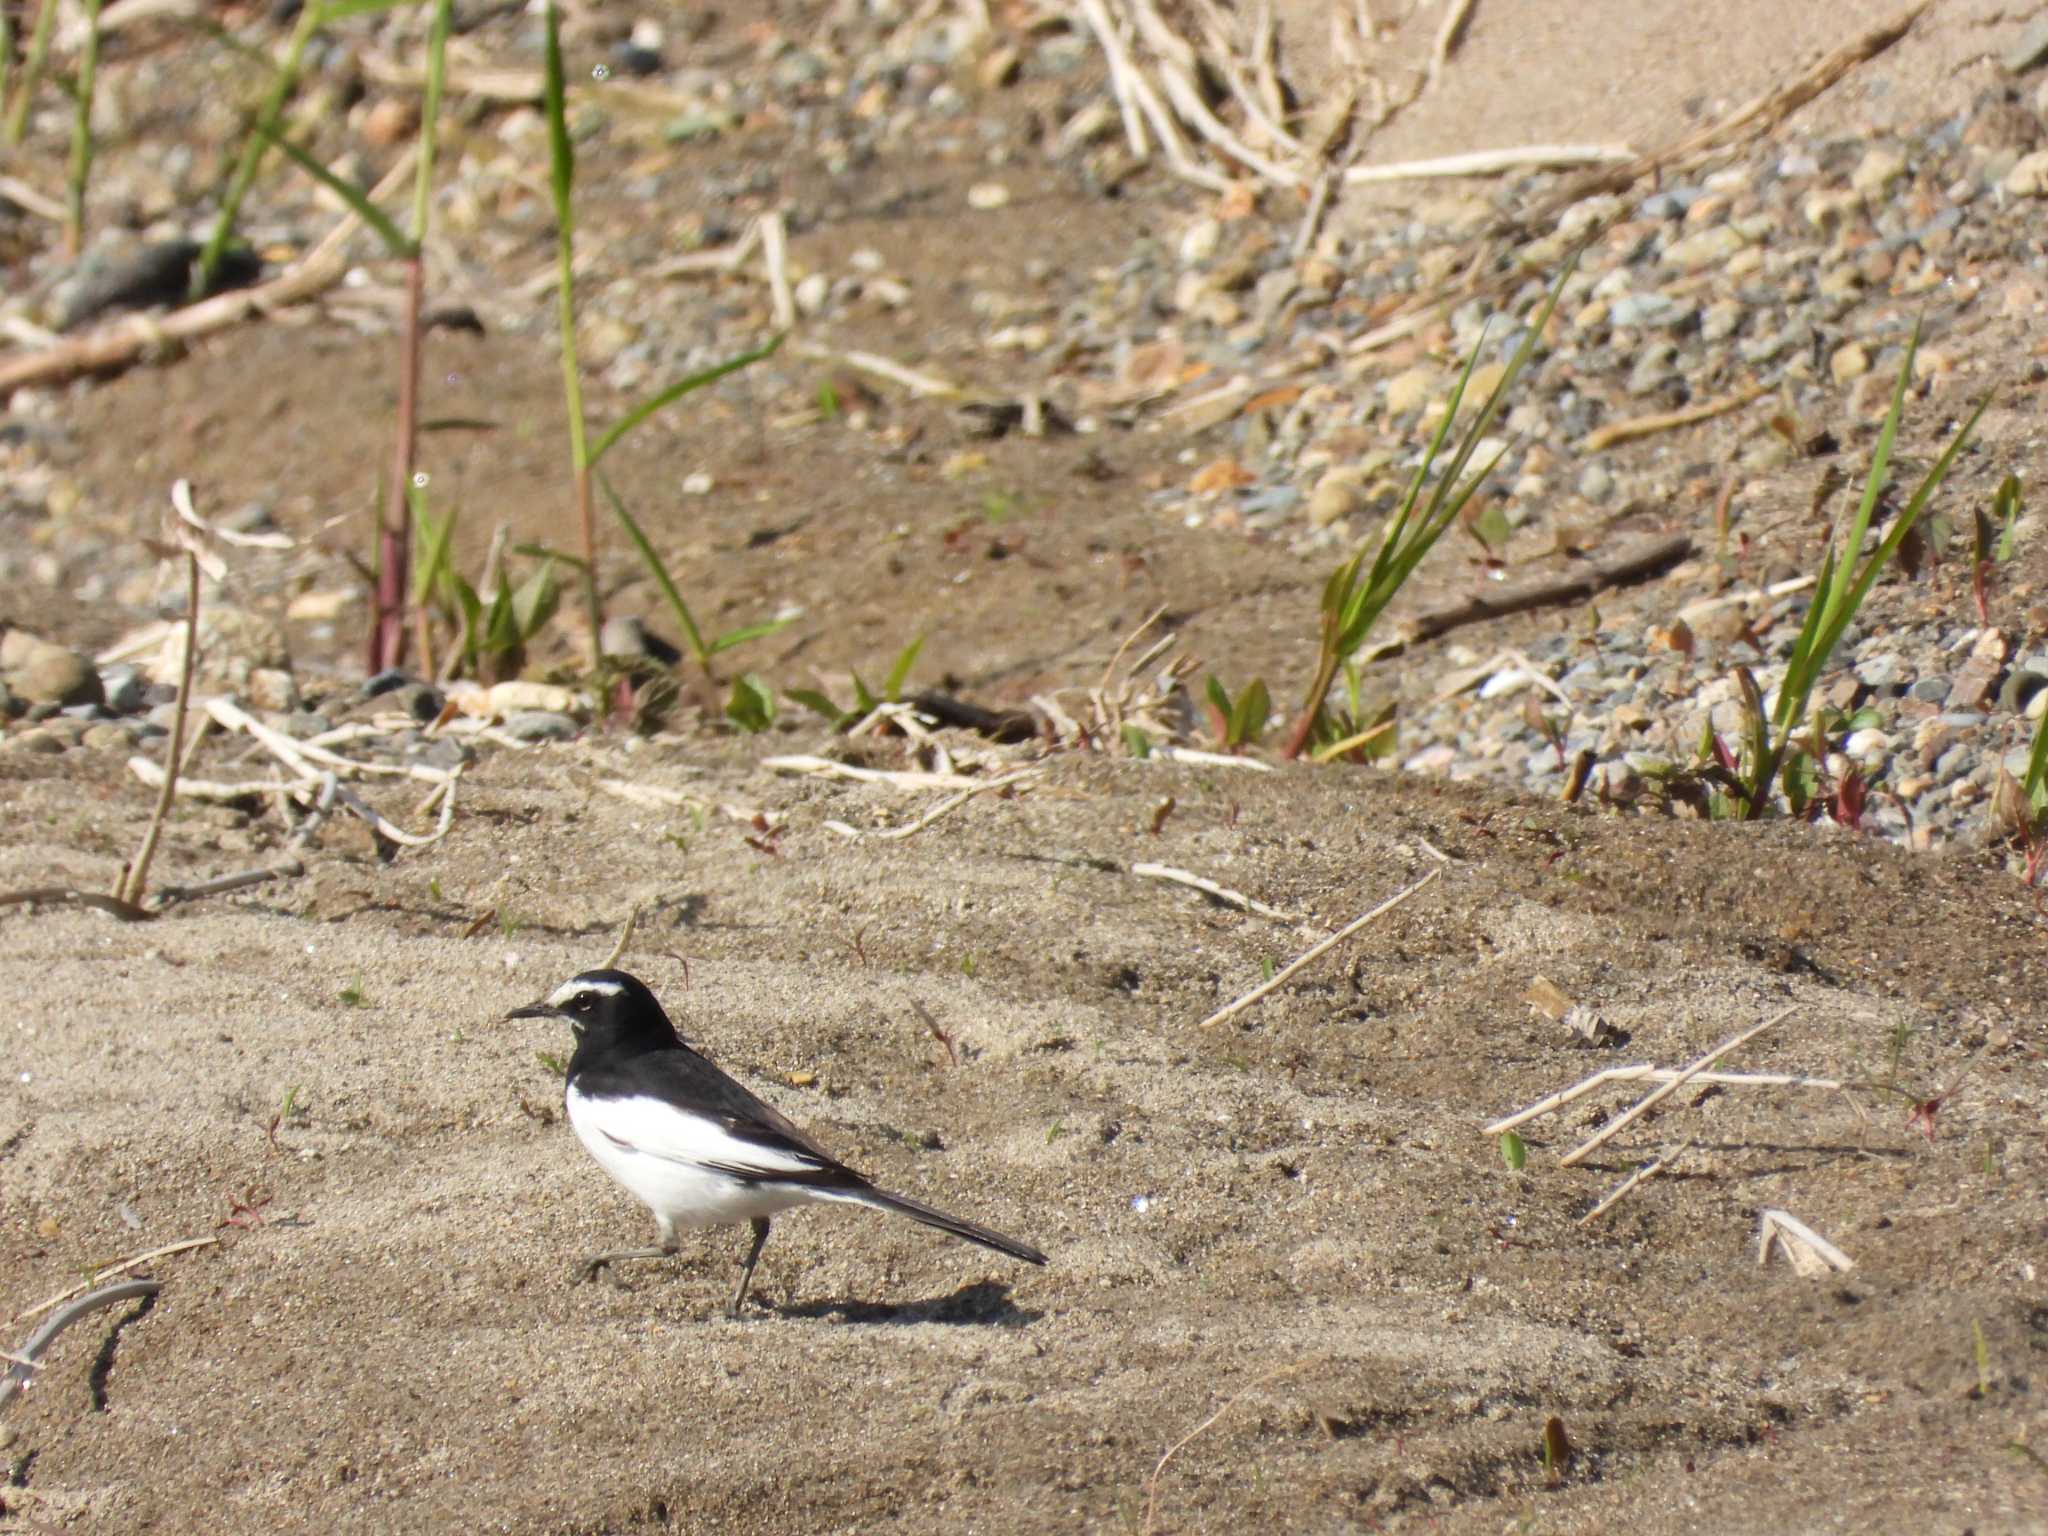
x: 1648, y: 1171
x: 826, y: 768
x: 1810, y: 1253
x: 1211, y: 888
x: 1447, y: 35
x: 946, y: 806
x: 926, y: 384
x: 1651, y: 1100
x: 1489, y: 162
x: 111, y: 1270
x: 1315, y: 952
x: 775, y: 255
x: 1199, y: 758
x: 1649, y: 1074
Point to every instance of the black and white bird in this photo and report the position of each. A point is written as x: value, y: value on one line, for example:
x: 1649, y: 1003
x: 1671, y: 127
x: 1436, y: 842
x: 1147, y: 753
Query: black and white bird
x: 688, y: 1142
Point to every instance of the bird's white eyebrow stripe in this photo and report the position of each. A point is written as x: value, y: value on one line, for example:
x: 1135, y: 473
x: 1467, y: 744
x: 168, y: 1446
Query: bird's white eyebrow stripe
x: 576, y: 985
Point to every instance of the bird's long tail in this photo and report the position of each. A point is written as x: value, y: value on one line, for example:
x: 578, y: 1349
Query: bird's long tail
x: 931, y: 1216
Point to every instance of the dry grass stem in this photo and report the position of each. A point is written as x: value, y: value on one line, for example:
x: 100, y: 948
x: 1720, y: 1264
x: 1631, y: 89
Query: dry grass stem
x: 1666, y: 421
x: 826, y: 768
x: 1650, y: 1101
x: 927, y: 385
x: 1195, y: 757
x: 1809, y: 1253
x: 625, y: 938
x: 110, y: 1270
x: 1488, y: 162
x: 1642, y: 1175
x: 775, y: 259
x: 1693, y: 612
x: 1315, y: 952
x: 952, y: 803
x: 1159, y: 1470
x: 27, y: 198
x: 1650, y: 1074
x: 135, y: 879
x: 1448, y: 33
x: 1210, y: 888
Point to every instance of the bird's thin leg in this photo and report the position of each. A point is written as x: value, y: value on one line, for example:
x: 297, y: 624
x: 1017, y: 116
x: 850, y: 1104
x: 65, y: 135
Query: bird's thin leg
x: 747, y: 1268
x: 597, y: 1263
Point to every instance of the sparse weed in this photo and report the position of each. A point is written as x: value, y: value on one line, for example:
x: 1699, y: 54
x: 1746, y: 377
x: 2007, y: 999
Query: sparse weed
x: 865, y: 700
x: 1358, y: 592
x: 1764, y: 765
x: 82, y: 90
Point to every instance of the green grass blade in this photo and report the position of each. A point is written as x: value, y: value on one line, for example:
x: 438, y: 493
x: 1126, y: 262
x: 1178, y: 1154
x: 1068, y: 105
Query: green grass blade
x: 2036, y: 781
x: 675, y: 392
x: 394, y: 238
x: 434, y: 536
x: 899, y: 674
x: 268, y: 116
x: 744, y: 633
x: 554, y: 107
x: 430, y: 114
x: 342, y: 10
x: 660, y: 574
x: 1903, y: 524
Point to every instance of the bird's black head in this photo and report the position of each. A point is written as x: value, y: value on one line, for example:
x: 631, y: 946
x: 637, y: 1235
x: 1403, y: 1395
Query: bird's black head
x: 608, y: 1010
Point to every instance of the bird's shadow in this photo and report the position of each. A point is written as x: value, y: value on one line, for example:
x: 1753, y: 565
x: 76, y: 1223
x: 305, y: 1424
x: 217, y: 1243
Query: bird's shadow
x: 984, y: 1304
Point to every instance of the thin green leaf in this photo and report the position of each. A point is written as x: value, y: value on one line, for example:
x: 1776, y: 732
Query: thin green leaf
x: 752, y: 704
x: 395, y: 240
x: 341, y: 10
x: 815, y: 701
x: 744, y: 633
x: 2005, y: 510
x: 543, y: 552
x: 658, y: 571
x: 1513, y: 1151
x: 554, y: 107
x: 675, y: 392
x: 899, y: 674
x: 534, y: 602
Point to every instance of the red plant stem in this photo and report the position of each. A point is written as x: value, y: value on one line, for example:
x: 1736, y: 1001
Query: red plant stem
x: 387, y: 626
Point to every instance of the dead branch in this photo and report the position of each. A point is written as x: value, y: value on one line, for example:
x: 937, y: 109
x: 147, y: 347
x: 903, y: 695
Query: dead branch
x: 1651, y: 1100
x: 1315, y: 952
x: 1217, y: 892
x: 1665, y: 421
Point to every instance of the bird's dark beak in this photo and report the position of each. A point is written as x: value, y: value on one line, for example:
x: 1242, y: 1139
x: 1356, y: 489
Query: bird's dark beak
x: 534, y: 1011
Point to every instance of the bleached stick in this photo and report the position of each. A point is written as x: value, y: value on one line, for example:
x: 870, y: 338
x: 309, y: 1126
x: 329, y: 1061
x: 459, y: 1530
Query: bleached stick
x: 1446, y: 39
x: 1315, y: 952
x: 302, y: 756
x: 826, y: 768
x: 775, y: 256
x: 1647, y: 1171
x: 954, y: 802
x: 1785, y: 1229
x: 1120, y: 72
x: 926, y: 384
x: 1489, y: 162
x: 1201, y: 759
x: 164, y: 1252
x: 1210, y: 888
x: 1650, y: 1101
x: 1649, y: 1074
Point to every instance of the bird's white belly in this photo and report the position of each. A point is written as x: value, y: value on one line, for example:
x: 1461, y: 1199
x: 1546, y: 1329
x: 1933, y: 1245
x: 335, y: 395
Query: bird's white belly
x: 679, y: 1192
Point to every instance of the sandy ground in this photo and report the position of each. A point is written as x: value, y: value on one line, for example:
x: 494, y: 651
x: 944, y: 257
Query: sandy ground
x: 1292, y: 1218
